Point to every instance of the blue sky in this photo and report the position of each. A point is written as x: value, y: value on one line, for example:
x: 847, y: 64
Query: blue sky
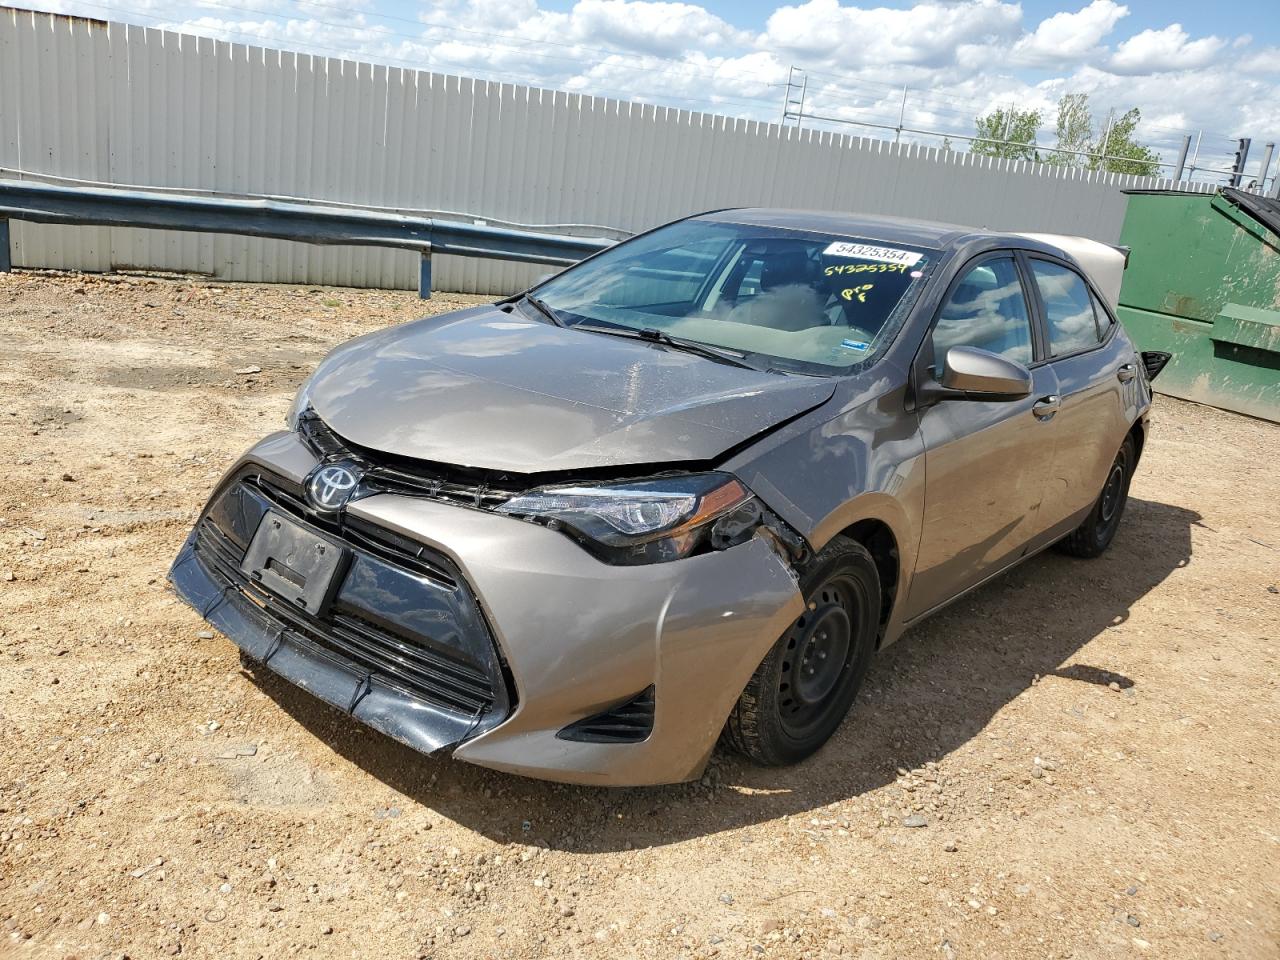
x: 1208, y: 70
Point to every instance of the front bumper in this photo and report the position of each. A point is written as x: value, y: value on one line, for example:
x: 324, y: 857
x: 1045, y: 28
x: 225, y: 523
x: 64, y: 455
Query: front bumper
x: 570, y: 637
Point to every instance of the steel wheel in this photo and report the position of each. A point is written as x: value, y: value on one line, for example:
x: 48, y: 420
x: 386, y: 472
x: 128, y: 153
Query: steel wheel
x: 816, y: 656
x: 804, y: 687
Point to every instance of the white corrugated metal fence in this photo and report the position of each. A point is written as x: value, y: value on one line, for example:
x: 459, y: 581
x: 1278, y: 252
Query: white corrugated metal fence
x: 124, y: 104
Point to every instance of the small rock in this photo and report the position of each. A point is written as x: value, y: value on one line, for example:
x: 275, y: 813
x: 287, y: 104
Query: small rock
x: 1271, y: 589
x: 104, y: 918
x: 915, y: 820
x: 1215, y: 936
x: 326, y: 930
x: 204, y: 635
x: 462, y: 931
x: 8, y: 576
x: 714, y: 939
x: 1132, y: 921
x: 1113, y: 686
x: 1037, y: 773
x: 726, y: 898
x: 1132, y: 891
x: 68, y: 477
x: 950, y: 846
x: 247, y: 371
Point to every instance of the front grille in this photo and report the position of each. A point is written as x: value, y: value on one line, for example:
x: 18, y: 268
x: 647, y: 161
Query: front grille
x: 384, y: 473
x: 629, y: 722
x: 415, y: 665
x: 383, y: 543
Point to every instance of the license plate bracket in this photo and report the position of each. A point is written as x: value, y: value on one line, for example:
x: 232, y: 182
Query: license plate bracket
x: 295, y: 564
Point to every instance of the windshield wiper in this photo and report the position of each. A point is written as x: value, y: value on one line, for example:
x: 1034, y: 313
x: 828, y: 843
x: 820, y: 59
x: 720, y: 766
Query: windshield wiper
x: 657, y: 336
x: 543, y: 309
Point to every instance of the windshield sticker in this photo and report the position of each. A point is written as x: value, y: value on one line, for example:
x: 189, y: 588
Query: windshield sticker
x: 860, y: 293
x: 858, y: 345
x: 840, y: 268
x: 865, y: 251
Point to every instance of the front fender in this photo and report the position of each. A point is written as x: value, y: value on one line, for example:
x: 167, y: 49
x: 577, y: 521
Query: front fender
x: 865, y: 463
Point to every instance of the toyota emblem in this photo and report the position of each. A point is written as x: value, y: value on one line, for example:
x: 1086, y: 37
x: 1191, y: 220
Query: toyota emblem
x: 330, y: 487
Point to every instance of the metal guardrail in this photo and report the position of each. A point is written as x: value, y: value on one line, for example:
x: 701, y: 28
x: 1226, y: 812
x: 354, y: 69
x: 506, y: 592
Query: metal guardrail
x: 303, y: 222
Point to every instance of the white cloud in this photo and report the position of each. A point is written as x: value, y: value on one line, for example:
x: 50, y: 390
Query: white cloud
x: 925, y: 34
x: 1154, y: 51
x: 659, y: 28
x: 1066, y: 37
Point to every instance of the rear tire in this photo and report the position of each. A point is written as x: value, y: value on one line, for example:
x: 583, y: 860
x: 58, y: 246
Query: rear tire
x: 803, y: 689
x: 1092, y: 537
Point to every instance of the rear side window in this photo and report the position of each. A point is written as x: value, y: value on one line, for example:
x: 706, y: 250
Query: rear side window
x: 986, y: 308
x: 1068, y: 308
x: 1104, y: 319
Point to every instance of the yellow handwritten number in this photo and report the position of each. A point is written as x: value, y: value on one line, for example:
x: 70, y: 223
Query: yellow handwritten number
x: 859, y: 292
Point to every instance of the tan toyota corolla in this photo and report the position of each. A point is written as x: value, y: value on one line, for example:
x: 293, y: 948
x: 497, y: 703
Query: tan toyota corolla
x: 682, y: 491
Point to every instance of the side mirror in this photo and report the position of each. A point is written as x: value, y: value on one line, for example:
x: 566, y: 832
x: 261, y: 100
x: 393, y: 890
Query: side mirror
x: 972, y: 374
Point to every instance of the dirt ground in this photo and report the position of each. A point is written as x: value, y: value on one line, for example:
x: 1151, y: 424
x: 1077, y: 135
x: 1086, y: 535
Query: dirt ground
x: 1092, y: 744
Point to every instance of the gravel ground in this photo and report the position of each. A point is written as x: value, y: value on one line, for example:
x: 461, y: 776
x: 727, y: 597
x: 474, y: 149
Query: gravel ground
x: 1080, y: 760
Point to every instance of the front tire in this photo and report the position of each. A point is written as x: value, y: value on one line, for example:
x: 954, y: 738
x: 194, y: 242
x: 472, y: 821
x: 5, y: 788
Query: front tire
x: 802, y: 690
x: 1092, y: 537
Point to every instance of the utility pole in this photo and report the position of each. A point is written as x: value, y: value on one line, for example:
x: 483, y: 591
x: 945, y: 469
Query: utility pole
x: 788, y: 101
x: 1241, y: 157
x: 1266, y: 165
x: 902, y: 115
x: 1106, y: 137
x: 1199, y: 136
x: 1182, y: 159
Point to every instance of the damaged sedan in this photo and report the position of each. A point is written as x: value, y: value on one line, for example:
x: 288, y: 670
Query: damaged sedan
x: 679, y: 493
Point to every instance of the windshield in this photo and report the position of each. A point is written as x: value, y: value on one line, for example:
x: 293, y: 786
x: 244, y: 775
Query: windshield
x: 785, y: 299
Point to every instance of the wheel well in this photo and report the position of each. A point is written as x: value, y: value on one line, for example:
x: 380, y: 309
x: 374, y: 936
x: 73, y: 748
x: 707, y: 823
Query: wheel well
x: 880, y: 542
x: 1139, y: 434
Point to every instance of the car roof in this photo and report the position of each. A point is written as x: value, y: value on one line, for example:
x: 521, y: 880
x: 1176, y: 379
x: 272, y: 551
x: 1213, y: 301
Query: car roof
x: 918, y: 233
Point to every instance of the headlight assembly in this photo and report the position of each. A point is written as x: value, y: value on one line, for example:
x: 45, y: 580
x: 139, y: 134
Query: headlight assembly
x: 301, y: 403
x: 646, y: 521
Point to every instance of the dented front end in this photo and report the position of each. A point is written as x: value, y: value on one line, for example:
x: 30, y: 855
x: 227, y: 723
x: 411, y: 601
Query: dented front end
x: 422, y: 610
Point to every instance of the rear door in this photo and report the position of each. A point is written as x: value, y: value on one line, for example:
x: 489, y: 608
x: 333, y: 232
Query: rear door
x: 987, y: 463
x: 1096, y: 373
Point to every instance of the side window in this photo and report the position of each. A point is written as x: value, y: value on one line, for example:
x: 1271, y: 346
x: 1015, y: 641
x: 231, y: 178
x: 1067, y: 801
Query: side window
x: 986, y: 309
x: 1068, y: 308
x: 1105, y: 323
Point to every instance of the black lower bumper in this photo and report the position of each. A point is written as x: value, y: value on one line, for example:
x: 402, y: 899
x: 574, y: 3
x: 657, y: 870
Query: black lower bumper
x: 419, y: 665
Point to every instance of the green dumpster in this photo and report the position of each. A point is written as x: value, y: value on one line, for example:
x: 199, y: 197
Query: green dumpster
x: 1203, y: 283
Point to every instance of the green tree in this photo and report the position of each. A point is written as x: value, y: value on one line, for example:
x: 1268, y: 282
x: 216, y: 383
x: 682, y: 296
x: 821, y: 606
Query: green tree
x: 1119, y: 152
x: 1008, y: 133
x: 1074, y: 129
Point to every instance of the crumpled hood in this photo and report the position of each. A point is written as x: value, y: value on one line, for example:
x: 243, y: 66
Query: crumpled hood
x: 494, y: 390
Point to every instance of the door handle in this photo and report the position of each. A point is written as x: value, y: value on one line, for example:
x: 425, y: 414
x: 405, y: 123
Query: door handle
x: 1126, y: 373
x: 1046, y: 407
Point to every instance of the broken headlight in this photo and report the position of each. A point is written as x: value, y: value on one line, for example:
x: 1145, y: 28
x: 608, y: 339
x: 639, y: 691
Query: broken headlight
x: 301, y: 404
x: 646, y: 521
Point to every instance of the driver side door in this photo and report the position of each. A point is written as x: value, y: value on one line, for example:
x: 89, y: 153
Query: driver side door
x: 987, y: 463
